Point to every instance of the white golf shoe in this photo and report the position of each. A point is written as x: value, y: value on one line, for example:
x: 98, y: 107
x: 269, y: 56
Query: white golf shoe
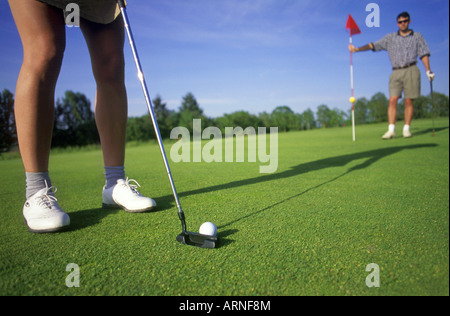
x: 42, y: 213
x: 126, y: 196
x: 388, y: 135
x: 407, y: 134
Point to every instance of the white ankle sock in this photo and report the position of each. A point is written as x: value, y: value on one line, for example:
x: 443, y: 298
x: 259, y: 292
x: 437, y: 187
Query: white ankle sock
x: 392, y: 128
x: 35, y: 182
x: 112, y: 174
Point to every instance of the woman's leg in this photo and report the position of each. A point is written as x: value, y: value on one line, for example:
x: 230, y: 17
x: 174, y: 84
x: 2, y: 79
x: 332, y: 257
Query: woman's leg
x: 105, y: 44
x: 42, y: 31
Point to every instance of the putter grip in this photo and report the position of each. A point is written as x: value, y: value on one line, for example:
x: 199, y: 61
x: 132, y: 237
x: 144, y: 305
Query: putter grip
x: 122, y: 3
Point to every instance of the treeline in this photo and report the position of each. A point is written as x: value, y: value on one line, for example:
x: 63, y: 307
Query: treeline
x: 74, y: 123
x: 283, y: 117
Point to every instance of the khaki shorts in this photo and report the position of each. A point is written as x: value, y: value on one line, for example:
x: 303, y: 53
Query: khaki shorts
x: 407, y: 81
x: 98, y: 11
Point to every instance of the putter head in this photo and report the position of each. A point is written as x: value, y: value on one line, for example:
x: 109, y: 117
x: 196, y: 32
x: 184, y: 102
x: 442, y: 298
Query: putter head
x: 197, y: 240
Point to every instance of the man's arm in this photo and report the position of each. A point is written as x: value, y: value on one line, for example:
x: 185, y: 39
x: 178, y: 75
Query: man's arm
x: 426, y: 63
x: 364, y: 48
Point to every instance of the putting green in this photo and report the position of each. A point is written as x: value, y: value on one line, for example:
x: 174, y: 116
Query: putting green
x: 332, y: 208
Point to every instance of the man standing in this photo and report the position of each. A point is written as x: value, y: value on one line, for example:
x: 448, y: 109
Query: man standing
x: 403, y: 47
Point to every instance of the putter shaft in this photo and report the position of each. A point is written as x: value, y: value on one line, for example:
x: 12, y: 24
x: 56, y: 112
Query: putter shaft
x: 151, y: 110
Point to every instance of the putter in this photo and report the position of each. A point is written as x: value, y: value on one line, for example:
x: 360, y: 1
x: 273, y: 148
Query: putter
x: 432, y: 106
x: 186, y: 238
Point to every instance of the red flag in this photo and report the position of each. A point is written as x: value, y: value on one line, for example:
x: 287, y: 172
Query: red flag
x: 352, y: 26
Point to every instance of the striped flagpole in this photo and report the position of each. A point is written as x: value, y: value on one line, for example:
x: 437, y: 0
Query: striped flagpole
x: 354, y: 29
x: 353, y: 103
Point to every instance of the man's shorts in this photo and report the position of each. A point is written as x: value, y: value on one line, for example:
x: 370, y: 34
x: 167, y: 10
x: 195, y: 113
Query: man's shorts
x: 407, y: 81
x: 98, y: 11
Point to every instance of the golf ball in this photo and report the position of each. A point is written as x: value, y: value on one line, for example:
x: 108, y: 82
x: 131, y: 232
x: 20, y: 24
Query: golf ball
x: 208, y: 229
x: 352, y: 100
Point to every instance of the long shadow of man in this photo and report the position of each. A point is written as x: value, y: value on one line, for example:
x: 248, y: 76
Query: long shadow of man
x: 338, y: 161
x: 85, y: 218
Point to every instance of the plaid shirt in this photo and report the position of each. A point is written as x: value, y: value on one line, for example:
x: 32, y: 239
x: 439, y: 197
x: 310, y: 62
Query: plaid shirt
x: 403, y: 50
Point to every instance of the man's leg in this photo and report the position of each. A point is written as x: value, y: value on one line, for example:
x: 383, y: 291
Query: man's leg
x: 392, y: 110
x: 412, y: 91
x: 409, y: 111
x: 392, y: 117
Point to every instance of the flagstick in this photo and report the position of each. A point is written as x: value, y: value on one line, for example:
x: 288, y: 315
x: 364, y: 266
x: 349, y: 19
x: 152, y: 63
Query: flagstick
x: 353, y: 104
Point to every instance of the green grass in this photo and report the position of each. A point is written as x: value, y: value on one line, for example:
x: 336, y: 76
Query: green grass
x: 332, y: 208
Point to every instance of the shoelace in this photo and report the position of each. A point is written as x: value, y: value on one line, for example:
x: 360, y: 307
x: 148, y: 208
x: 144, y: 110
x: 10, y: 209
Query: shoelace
x: 47, y: 199
x: 133, y: 187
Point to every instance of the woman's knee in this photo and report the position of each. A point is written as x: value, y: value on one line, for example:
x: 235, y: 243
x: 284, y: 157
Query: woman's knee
x: 44, y: 56
x: 110, y: 68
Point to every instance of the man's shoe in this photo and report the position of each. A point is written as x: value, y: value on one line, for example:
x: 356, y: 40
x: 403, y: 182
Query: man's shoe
x: 388, y: 135
x: 126, y: 196
x: 42, y: 213
x: 407, y: 134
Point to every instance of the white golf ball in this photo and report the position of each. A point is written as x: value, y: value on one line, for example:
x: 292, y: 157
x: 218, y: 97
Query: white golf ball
x: 208, y: 229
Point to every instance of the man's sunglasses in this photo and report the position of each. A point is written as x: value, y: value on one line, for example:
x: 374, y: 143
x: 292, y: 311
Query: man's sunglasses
x: 403, y: 21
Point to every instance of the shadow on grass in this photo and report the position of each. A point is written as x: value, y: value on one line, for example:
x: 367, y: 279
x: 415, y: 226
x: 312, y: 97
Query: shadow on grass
x: 338, y: 161
x: 372, y: 156
x: 283, y: 201
x: 86, y: 218
x: 430, y: 131
x: 223, y: 239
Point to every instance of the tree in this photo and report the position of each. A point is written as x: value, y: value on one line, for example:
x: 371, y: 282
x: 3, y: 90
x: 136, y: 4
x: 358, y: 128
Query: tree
x: 190, y: 104
x: 330, y: 118
x: 191, y: 110
x: 163, y: 116
x: 338, y: 117
x: 74, y: 121
x: 323, y: 115
x: 423, y: 107
x: 378, y: 106
x: 265, y: 119
x: 361, y: 111
x: 300, y: 119
x: 8, y: 134
x: 440, y: 104
x: 285, y: 118
x: 309, y: 119
x: 140, y: 128
x: 240, y: 118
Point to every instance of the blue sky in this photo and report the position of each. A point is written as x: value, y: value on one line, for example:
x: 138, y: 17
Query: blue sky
x: 250, y: 55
